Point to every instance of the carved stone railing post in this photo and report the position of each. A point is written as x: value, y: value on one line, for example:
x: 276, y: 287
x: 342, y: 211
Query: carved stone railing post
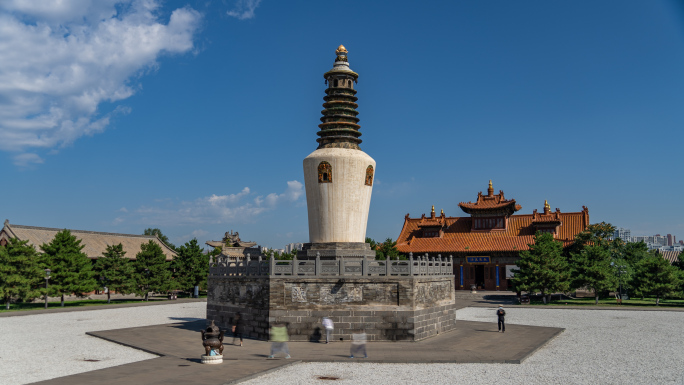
x: 342, y: 272
x: 248, y: 261
x: 259, y: 265
x: 272, y: 263
x: 364, y: 267
x: 439, y: 263
x: 410, y: 263
x: 388, y: 261
x: 294, y: 265
x: 317, y: 266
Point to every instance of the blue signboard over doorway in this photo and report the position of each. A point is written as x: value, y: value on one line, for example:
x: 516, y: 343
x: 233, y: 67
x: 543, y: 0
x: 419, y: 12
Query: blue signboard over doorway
x: 478, y: 260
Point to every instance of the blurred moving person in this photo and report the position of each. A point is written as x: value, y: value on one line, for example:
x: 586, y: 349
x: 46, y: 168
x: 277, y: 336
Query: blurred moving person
x: 279, y: 340
x: 329, y: 327
x: 358, y: 345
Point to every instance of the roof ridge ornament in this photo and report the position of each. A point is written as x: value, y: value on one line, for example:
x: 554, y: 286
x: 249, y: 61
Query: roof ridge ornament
x: 490, y: 190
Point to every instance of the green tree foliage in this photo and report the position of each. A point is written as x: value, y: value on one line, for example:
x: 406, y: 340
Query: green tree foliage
x: 592, y: 269
x: 20, y: 273
x: 543, y: 267
x: 151, y: 271
x: 384, y: 250
x: 634, y: 252
x: 657, y: 277
x: 71, y: 269
x: 162, y: 237
x: 597, y: 234
x: 679, y: 263
x: 115, y: 271
x: 191, y: 266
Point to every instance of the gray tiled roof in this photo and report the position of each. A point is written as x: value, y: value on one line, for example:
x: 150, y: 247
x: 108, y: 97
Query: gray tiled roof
x: 95, y: 242
x: 670, y: 255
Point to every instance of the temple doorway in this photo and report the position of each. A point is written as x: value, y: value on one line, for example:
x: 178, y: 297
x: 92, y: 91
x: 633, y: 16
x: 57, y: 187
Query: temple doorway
x: 480, y: 275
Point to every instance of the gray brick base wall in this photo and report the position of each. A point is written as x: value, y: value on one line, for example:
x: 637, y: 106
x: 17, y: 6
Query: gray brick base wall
x: 388, y: 308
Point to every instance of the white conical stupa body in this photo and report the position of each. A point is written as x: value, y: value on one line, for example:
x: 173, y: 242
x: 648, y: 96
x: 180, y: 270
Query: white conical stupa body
x: 338, y: 209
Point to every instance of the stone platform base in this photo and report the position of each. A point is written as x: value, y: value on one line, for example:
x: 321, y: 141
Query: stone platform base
x: 212, y: 359
x: 336, y: 250
x: 391, y: 308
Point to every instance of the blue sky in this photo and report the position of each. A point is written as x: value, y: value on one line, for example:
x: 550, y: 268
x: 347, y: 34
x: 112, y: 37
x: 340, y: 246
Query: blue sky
x: 194, y: 117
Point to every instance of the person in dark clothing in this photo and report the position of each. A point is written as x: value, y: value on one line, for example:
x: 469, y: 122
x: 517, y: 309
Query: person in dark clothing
x: 501, y: 313
x: 238, y: 328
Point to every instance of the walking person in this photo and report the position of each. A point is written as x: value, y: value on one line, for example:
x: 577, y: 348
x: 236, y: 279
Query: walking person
x: 238, y: 327
x: 279, y: 340
x: 358, y: 345
x: 501, y: 313
x: 329, y: 327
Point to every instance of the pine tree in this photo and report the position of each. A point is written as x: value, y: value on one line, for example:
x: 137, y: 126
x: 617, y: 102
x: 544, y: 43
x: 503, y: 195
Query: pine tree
x: 152, y: 272
x: 191, y: 267
x: 71, y: 269
x: 158, y: 233
x: 20, y: 273
x: 592, y: 269
x: 543, y: 267
x: 115, y: 271
x: 657, y: 277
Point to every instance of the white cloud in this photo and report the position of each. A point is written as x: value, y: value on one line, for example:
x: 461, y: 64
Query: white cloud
x: 27, y: 159
x: 216, y: 209
x: 60, y: 60
x: 294, y: 190
x: 244, y: 9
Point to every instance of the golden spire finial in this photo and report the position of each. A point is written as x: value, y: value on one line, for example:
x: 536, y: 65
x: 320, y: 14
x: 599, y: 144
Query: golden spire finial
x: 341, y: 49
x: 441, y: 212
x: 433, y: 209
x: 490, y: 190
x: 490, y: 184
x: 546, y: 205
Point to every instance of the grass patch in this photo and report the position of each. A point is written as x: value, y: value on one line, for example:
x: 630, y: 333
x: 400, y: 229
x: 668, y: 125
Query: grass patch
x: 19, y: 306
x: 646, y: 302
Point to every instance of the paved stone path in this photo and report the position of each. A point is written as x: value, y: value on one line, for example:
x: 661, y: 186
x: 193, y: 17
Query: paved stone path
x: 179, y: 346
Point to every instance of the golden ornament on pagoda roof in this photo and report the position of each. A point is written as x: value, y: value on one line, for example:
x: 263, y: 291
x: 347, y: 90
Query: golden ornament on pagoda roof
x: 341, y: 49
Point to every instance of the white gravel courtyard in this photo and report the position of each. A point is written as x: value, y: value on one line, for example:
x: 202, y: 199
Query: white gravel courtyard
x: 43, y: 346
x: 598, y: 347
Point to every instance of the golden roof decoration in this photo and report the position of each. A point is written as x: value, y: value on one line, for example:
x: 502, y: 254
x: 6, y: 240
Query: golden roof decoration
x: 546, y: 205
x: 341, y: 49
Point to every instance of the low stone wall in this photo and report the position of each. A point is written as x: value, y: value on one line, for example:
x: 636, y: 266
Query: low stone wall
x: 388, y: 308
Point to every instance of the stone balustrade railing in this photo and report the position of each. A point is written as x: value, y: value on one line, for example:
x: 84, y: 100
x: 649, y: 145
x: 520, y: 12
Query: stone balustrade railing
x: 222, y: 266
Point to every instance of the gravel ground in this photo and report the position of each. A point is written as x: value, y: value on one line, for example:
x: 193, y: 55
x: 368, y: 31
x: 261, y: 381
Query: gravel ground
x: 43, y: 346
x: 597, y: 347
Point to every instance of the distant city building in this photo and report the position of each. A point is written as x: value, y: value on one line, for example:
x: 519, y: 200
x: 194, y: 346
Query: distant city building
x: 266, y: 251
x: 290, y: 247
x: 94, y: 242
x: 670, y: 240
x: 624, y: 234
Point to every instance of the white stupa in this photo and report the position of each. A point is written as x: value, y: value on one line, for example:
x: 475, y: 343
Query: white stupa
x: 338, y: 175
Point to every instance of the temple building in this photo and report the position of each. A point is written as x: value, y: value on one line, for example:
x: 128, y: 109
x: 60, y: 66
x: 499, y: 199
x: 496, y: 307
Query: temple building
x: 233, y: 247
x: 486, y: 244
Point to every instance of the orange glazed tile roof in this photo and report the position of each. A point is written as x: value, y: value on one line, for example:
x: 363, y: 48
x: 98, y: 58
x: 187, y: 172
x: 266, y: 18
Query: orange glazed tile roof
x: 458, y: 237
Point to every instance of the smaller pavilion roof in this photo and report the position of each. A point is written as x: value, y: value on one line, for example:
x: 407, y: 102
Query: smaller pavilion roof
x: 490, y: 203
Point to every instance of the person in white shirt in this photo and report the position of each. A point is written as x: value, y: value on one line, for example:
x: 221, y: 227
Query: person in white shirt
x: 329, y: 327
